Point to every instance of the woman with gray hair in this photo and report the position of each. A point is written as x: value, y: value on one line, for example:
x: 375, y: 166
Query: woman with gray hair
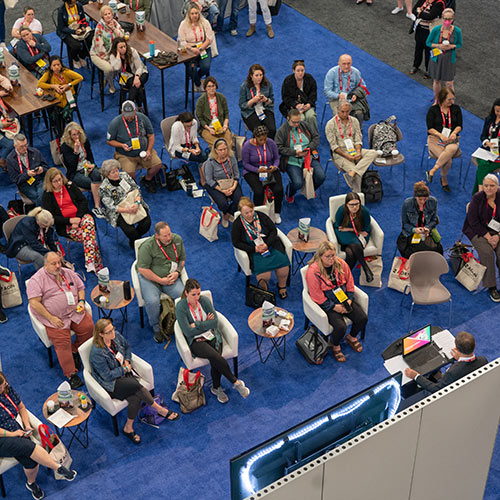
x: 122, y: 202
x: 33, y: 237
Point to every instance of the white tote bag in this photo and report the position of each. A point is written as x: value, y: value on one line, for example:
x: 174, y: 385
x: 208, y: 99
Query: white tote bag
x: 399, y: 277
x: 308, y: 186
x: 471, y: 273
x: 209, y: 223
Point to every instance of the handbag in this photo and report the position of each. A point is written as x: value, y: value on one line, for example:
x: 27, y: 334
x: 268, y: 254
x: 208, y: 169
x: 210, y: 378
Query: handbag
x: 55, y: 447
x: 376, y: 266
x: 209, y: 223
x: 189, y: 391
x: 455, y: 255
x: 172, y: 181
x: 55, y: 151
x: 148, y: 415
x: 11, y: 295
x: 399, y: 277
x: 308, y: 186
x: 471, y: 273
x: 269, y: 202
x: 255, y: 296
x: 128, y: 202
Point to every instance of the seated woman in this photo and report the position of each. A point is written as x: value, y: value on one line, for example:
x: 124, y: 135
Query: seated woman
x: 80, y: 164
x: 184, y: 139
x: 490, y: 137
x: 138, y: 5
x: 260, y: 160
x: 221, y: 180
x: 326, y: 274
x: 28, y: 20
x: 33, y: 237
x: 213, y: 113
x: 74, y: 30
x: 106, y: 31
x: 444, y: 123
x: 299, y: 91
x: 71, y: 214
x: 195, y: 31
x: 481, y: 227
x: 419, y: 220
x: 198, y: 321
x: 8, y: 125
x: 125, y: 60
x: 57, y: 80
x: 352, y: 228
x: 255, y: 233
x: 15, y: 440
x: 111, y: 362
x: 115, y: 188
x: 257, y: 100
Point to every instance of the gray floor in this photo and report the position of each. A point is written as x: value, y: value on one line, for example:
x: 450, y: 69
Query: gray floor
x: 386, y: 37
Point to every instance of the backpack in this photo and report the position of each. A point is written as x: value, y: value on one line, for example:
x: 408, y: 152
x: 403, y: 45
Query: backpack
x: 371, y: 186
x: 312, y: 345
x: 384, y: 136
x: 148, y: 415
x: 167, y: 318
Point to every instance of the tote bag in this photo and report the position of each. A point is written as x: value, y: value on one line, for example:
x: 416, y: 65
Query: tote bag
x: 471, y: 273
x: 209, y: 223
x: 128, y: 202
x: 308, y: 185
x: 189, y: 392
x: 55, y: 447
x: 11, y: 295
x: 399, y: 277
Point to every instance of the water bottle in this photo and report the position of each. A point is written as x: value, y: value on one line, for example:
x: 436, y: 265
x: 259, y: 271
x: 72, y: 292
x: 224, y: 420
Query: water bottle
x: 152, y: 50
x: 13, y: 72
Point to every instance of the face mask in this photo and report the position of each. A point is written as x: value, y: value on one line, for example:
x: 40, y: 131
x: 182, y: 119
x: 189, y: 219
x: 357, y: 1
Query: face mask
x: 447, y: 23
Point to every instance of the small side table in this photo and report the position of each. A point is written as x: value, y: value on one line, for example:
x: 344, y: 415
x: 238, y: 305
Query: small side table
x: 301, y: 248
x: 115, y: 301
x: 255, y: 324
x: 80, y: 422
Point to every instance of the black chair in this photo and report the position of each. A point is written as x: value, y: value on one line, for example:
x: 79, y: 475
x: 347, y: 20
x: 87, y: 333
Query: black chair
x: 54, y: 20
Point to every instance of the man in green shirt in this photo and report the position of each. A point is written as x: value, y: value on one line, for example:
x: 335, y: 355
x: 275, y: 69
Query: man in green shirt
x: 160, y: 262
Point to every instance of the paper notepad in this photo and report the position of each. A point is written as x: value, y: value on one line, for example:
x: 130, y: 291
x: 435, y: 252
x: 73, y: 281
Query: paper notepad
x: 484, y: 154
x: 60, y: 418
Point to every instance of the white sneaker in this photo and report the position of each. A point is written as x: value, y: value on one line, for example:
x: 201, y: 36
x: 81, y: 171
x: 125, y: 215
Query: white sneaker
x: 241, y: 388
x: 234, y: 33
x: 76, y: 64
x: 411, y: 16
x: 396, y: 10
x: 221, y: 395
x: 277, y: 219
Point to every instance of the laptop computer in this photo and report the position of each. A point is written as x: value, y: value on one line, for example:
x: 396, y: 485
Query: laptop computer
x: 421, y: 353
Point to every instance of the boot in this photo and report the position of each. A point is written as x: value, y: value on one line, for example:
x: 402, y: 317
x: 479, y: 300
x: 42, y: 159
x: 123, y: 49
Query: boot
x: 270, y: 32
x: 251, y: 30
x: 368, y: 273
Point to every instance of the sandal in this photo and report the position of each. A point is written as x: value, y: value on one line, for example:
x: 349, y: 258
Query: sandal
x: 133, y: 437
x: 169, y: 414
x: 282, y: 293
x: 355, y: 344
x: 339, y: 356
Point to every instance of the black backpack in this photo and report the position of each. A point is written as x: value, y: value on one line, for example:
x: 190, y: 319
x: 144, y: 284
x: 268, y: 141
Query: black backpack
x: 371, y: 186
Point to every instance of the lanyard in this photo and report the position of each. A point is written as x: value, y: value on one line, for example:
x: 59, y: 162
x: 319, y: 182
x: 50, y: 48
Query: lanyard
x: 188, y: 138
x: 340, y: 128
x: 136, y: 5
x: 165, y: 253
x: 61, y: 196
x: 253, y: 95
x: 423, y: 217
x: 494, y: 128
x: 65, y: 281
x: 293, y: 137
x: 251, y: 227
x: 61, y: 78
x: 449, y: 34
x: 348, y: 80
x: 73, y: 13
x: 194, y: 314
x: 13, y: 404
x: 34, y: 51
x: 124, y: 65
x: 225, y: 171
x: 260, y: 156
x: 353, y: 225
x: 494, y: 209
x: 196, y: 36
x: 128, y: 130
x: 20, y: 164
x: 213, y: 107
x: 445, y: 119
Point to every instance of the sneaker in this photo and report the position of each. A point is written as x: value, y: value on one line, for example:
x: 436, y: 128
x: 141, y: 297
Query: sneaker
x: 277, y: 218
x: 3, y: 317
x: 494, y: 295
x: 112, y: 89
x: 158, y: 337
x: 98, y: 212
x: 36, y: 491
x: 413, y: 70
x: 224, y: 222
x: 75, y: 381
x: 234, y: 32
x: 90, y: 268
x: 410, y: 16
x: 76, y: 64
x: 397, y: 10
x: 149, y: 185
x: 67, y: 474
x: 244, y: 391
x: 221, y: 395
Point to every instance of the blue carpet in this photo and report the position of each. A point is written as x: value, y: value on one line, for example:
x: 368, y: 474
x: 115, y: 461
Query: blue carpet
x: 189, y: 459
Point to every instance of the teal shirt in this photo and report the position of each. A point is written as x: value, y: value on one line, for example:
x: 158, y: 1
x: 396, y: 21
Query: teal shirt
x: 349, y: 237
x: 294, y: 135
x: 434, y: 38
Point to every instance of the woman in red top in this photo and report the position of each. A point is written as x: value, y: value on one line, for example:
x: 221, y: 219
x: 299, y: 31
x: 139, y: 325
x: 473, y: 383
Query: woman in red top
x: 330, y: 284
x: 71, y: 214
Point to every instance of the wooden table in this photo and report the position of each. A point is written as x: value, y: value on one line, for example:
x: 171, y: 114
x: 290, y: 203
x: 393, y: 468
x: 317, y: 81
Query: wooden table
x: 115, y: 301
x: 22, y: 100
x: 80, y: 420
x: 140, y: 42
x: 255, y: 324
x: 316, y: 237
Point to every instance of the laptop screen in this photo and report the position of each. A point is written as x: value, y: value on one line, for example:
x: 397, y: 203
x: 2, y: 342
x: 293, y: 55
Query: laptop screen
x: 417, y: 340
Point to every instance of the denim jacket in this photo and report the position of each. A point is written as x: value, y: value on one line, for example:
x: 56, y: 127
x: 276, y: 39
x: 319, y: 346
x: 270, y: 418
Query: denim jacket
x: 409, y: 214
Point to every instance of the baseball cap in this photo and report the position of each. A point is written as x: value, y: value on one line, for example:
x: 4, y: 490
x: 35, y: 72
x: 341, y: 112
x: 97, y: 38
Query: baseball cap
x: 128, y: 108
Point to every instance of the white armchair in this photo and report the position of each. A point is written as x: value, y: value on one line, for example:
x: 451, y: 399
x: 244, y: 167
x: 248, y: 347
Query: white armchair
x: 97, y: 391
x: 229, y: 345
x: 242, y: 257
x: 376, y: 242
x: 137, y: 285
x: 317, y: 316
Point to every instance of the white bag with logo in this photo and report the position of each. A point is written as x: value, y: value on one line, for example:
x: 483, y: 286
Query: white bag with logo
x: 471, y: 274
x: 209, y: 223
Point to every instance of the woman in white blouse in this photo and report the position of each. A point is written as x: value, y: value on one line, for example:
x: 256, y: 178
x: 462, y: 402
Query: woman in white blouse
x: 184, y: 139
x: 28, y: 20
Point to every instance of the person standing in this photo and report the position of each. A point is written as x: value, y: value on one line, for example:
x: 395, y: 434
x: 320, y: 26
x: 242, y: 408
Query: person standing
x: 252, y: 17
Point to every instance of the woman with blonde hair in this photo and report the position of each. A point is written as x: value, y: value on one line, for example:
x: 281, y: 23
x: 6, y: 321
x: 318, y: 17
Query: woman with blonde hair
x: 331, y: 286
x: 71, y: 214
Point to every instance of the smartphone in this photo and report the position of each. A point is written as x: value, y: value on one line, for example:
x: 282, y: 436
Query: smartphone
x: 28, y: 433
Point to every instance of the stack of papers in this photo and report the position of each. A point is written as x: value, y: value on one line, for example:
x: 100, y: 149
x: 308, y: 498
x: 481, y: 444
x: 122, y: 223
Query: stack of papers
x: 60, y: 418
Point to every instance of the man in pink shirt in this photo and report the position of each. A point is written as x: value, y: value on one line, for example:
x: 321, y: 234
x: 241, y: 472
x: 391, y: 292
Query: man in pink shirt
x: 57, y: 299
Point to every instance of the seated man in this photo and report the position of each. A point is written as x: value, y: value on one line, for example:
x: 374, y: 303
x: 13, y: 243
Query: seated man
x: 160, y: 261
x: 344, y: 82
x: 295, y: 140
x: 26, y: 167
x: 132, y: 136
x: 466, y: 362
x: 344, y: 135
x: 33, y: 51
x: 57, y: 299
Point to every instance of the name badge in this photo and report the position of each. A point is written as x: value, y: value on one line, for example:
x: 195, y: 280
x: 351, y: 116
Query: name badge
x: 203, y: 54
x: 259, y: 111
x: 262, y: 176
x: 340, y: 294
x: 416, y: 238
x: 494, y: 225
x: 123, y: 78
x: 136, y: 143
x: 70, y: 98
x: 186, y: 154
x: 31, y: 180
x: 119, y: 357
x: 446, y: 131
x: 349, y: 145
x: 41, y: 63
x: 124, y: 185
x: 70, y: 298
x: 494, y: 146
x: 216, y: 125
x: 173, y: 267
x: 259, y: 241
x: 298, y: 148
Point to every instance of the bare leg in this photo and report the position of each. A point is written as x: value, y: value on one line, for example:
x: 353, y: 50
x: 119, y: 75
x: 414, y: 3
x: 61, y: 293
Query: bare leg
x: 129, y: 426
x: 450, y: 85
x: 31, y: 474
x: 282, y: 275
x: 40, y: 456
x: 153, y: 171
x: 436, y: 87
x: 408, y: 6
x: 264, y: 276
x: 94, y: 188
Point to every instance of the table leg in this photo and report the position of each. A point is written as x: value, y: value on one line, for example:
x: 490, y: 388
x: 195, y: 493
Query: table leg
x: 299, y: 259
x: 162, y: 93
x: 30, y: 128
x: 276, y: 343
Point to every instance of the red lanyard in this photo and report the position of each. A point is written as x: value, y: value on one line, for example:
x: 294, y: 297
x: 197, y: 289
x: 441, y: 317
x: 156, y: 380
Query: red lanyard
x: 13, y: 404
x: 293, y: 137
x: 34, y: 51
x: 194, y: 314
x: 260, y: 156
x: 253, y: 95
x: 250, y: 227
x: 213, y: 107
x: 165, y: 253
x: 353, y: 225
x: 124, y: 65
x: 188, y: 138
x: 444, y: 118
x: 73, y: 12
x: 423, y: 217
x: 61, y: 78
x: 493, y: 129
x: 494, y: 209
x: 136, y: 5
x: 196, y: 36
x: 348, y: 80
x: 340, y: 128
x: 20, y: 164
x: 128, y: 130
x: 449, y: 34
x: 225, y: 171
x: 65, y: 281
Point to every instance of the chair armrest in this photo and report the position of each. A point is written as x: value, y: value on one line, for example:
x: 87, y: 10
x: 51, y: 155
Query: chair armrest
x: 330, y: 232
x: 143, y: 369
x: 287, y: 244
x: 244, y: 262
x: 184, y: 275
x: 228, y: 333
x: 361, y: 298
x: 96, y: 390
x: 377, y: 236
x: 315, y: 314
x: 136, y: 284
x: 182, y: 346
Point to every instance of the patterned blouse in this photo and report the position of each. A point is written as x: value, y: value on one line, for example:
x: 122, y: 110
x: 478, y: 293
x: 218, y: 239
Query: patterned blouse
x: 104, y: 36
x: 8, y: 422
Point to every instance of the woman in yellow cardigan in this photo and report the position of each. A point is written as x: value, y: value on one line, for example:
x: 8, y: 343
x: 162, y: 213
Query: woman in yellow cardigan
x: 60, y: 82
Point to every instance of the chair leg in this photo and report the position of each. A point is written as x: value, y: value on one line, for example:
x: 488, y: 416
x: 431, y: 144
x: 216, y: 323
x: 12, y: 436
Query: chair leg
x: 141, y: 316
x: 235, y: 366
x: 409, y: 319
x: 306, y: 323
x: 247, y: 280
x: 51, y: 360
x: 2, y: 487
x: 466, y: 174
x: 186, y: 86
x: 449, y: 316
x: 115, y: 425
x: 92, y: 81
x: 101, y: 88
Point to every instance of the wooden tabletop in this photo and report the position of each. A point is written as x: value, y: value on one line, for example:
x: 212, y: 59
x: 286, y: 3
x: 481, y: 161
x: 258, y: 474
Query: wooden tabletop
x: 255, y: 324
x: 22, y: 99
x: 140, y: 40
x: 316, y: 237
x: 79, y: 414
x: 115, y: 297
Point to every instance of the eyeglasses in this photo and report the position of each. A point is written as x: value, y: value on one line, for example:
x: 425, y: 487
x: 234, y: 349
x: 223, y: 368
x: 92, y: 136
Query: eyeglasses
x: 353, y: 204
x: 109, y: 331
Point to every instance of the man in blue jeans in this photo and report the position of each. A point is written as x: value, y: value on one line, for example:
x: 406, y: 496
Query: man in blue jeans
x: 233, y: 20
x: 160, y: 262
x: 26, y: 167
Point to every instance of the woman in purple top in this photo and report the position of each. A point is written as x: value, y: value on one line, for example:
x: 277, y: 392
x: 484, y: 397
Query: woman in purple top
x: 260, y: 169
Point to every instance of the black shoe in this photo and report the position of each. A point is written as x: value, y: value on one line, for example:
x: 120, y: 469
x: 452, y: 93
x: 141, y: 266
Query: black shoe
x: 77, y: 360
x: 36, y: 491
x: 149, y: 185
x: 368, y: 274
x: 158, y: 337
x: 413, y: 70
x: 3, y: 317
x: 75, y: 381
x: 67, y: 474
x: 427, y: 76
x: 428, y: 176
x: 446, y: 188
x: 494, y: 295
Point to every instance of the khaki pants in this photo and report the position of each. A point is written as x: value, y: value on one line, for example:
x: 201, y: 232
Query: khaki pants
x: 367, y: 157
x: 130, y: 164
x: 210, y: 139
x: 444, y: 154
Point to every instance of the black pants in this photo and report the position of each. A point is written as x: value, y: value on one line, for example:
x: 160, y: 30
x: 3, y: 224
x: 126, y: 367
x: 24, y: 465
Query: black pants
x: 218, y: 365
x: 357, y: 316
x: 226, y: 204
x: 20, y: 448
x: 421, y: 48
x: 253, y: 121
x: 406, y: 247
x: 129, y: 388
x: 134, y: 232
x: 259, y: 189
x: 79, y: 49
x: 136, y: 94
x: 353, y: 254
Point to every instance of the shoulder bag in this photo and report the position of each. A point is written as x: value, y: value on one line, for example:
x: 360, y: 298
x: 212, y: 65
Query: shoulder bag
x: 189, y: 392
x: 55, y: 447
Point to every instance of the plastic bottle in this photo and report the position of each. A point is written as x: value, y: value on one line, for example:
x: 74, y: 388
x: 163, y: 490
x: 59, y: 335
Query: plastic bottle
x: 84, y: 402
x: 13, y: 72
x: 152, y: 49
